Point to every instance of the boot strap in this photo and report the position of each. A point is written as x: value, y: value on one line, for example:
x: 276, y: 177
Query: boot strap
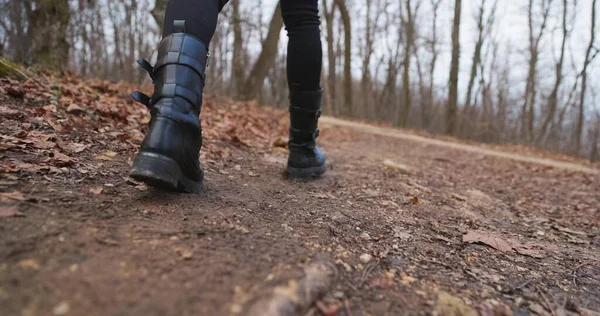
x: 173, y: 58
x: 178, y: 58
x: 310, y: 136
x: 304, y: 119
x: 169, y: 90
x: 142, y: 98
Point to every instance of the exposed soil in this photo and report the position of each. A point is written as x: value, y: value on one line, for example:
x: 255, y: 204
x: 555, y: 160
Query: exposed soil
x: 413, y: 227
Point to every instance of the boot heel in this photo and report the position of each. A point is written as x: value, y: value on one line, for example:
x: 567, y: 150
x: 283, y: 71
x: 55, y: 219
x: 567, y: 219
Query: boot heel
x: 163, y: 172
x: 305, y: 173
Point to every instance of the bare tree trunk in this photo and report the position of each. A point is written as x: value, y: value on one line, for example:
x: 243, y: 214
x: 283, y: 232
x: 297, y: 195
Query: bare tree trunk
x: 237, y: 67
x: 367, y: 52
x: 408, y: 47
x: 595, y: 140
x: 528, y: 110
x: 553, y: 98
x: 158, y: 12
x: 341, y: 4
x: 434, y: 55
x: 453, y: 93
x: 330, y: 56
x: 588, y: 59
x: 265, y: 60
x: 49, y: 21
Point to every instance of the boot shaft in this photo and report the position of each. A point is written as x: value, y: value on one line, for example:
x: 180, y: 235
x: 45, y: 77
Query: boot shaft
x: 305, y: 110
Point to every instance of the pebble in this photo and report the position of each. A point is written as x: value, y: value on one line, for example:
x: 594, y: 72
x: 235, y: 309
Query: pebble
x: 365, y: 257
x: 61, y: 309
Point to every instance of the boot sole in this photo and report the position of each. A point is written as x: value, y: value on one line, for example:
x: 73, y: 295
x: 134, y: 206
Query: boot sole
x: 306, y: 173
x: 162, y: 172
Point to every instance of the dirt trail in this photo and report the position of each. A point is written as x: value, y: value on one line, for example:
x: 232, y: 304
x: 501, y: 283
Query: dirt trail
x: 412, y: 229
x: 395, y: 133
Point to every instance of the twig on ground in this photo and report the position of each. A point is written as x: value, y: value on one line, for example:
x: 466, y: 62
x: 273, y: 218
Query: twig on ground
x: 347, y: 308
x: 298, y: 296
x: 546, y: 301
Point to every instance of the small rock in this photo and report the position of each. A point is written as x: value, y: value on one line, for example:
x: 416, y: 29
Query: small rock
x: 29, y: 264
x: 74, y: 109
x: 61, y: 309
x: 518, y: 301
x: 237, y: 167
x: 397, y: 166
x: 365, y: 236
x: 186, y: 254
x: 452, y: 306
x: 365, y: 258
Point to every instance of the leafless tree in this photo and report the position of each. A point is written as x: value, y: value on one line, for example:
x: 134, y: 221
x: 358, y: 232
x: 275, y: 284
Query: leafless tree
x: 454, y: 64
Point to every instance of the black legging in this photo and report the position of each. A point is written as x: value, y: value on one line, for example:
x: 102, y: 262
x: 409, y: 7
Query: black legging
x: 301, y: 19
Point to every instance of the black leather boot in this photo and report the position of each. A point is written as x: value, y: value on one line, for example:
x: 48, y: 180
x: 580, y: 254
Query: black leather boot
x: 306, y: 159
x: 169, y: 155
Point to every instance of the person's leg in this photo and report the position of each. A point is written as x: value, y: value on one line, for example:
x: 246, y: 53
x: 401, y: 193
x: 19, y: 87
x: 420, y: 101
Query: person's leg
x: 304, y: 63
x: 304, y: 52
x: 169, y: 154
x: 200, y: 17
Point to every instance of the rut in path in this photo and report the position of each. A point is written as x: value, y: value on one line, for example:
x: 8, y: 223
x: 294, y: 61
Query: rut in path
x: 448, y: 229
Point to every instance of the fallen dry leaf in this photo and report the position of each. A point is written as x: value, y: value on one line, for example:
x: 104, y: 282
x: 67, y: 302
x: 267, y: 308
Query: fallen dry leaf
x: 10, y: 211
x: 414, y: 200
x: 106, y: 156
x: 61, y: 160
x: 55, y: 125
x: 281, y: 142
x: 11, y: 196
x: 504, y: 245
x: 489, y: 239
x: 73, y: 148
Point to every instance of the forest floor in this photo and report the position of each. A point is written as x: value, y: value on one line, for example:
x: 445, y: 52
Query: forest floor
x: 411, y: 225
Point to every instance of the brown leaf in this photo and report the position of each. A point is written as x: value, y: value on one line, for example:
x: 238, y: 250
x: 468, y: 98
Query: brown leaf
x: 73, y: 148
x: 11, y: 196
x: 61, y: 160
x: 414, y: 200
x: 106, y: 156
x: 9, y: 211
x: 504, y: 245
x: 489, y: 239
x: 55, y: 125
x: 40, y: 140
x: 525, y: 250
x: 281, y: 142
